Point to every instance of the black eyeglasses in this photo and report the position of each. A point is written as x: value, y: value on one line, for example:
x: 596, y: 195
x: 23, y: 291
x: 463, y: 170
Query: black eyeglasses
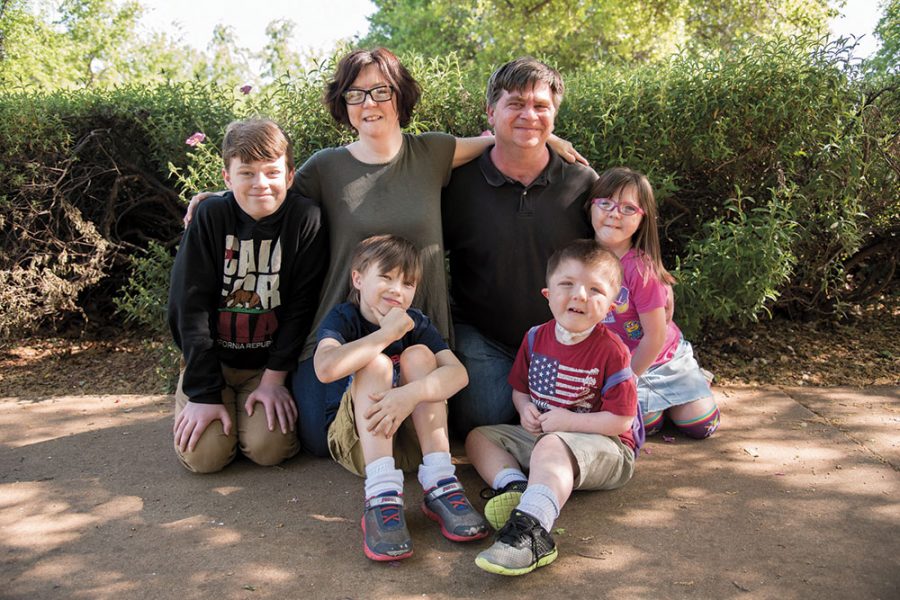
x: 382, y: 93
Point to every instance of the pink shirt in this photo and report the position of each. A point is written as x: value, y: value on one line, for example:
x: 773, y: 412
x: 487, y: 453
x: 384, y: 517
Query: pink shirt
x: 636, y: 297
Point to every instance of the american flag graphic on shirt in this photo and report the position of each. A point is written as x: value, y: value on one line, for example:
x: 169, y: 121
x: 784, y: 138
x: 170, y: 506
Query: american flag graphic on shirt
x: 552, y: 383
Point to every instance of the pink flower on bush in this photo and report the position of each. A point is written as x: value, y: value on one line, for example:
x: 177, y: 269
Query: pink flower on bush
x: 246, y: 89
x: 195, y: 139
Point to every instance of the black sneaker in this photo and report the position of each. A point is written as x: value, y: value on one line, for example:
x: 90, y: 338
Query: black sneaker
x: 502, y: 502
x: 520, y: 547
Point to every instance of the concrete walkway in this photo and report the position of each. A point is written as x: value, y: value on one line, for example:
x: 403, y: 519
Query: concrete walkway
x: 795, y: 497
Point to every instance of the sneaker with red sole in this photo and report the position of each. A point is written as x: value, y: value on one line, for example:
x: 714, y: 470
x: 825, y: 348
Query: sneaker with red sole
x: 385, y: 536
x: 447, y: 504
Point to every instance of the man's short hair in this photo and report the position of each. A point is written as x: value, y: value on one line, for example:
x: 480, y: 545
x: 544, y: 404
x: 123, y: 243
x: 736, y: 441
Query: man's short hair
x: 406, y: 88
x: 591, y: 254
x: 522, y: 74
x: 256, y: 139
x: 388, y: 252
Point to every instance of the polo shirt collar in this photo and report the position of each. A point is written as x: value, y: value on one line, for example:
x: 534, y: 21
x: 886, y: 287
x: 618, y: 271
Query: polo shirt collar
x: 495, y: 178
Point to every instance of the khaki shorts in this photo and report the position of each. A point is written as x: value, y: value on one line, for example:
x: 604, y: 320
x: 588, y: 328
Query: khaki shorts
x: 344, y: 446
x: 604, y: 462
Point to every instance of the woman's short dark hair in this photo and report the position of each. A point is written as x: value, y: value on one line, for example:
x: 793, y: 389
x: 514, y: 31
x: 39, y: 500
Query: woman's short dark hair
x: 406, y: 89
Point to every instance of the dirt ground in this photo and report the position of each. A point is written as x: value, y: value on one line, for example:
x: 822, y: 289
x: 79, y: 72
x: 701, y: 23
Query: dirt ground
x: 795, y: 497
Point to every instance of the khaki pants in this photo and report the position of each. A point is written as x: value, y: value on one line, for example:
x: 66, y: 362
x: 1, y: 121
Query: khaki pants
x: 344, y: 446
x: 214, y: 450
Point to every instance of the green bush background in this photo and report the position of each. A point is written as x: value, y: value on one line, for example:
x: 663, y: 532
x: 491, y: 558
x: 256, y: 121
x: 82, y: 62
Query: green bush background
x: 776, y: 167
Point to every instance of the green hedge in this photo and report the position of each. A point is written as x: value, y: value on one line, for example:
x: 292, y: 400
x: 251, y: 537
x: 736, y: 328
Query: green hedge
x: 776, y: 169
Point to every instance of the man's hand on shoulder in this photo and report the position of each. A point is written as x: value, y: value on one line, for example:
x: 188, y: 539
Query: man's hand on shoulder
x: 193, y: 421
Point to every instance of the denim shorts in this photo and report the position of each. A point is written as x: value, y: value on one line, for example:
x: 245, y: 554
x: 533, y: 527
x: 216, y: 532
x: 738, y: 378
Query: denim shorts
x: 672, y: 383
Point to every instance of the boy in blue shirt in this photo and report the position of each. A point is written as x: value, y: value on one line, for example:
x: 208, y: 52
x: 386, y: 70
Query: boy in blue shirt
x: 394, y: 412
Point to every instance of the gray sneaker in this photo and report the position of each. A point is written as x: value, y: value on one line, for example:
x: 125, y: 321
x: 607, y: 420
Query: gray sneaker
x: 520, y: 547
x: 447, y: 504
x: 385, y: 536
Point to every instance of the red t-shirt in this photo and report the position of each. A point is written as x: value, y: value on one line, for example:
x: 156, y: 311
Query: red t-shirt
x: 591, y: 376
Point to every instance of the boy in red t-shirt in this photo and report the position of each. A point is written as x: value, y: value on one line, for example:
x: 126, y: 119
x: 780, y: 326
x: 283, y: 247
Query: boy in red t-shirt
x: 575, y: 394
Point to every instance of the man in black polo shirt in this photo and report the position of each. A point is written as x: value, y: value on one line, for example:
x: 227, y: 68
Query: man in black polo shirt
x: 504, y: 214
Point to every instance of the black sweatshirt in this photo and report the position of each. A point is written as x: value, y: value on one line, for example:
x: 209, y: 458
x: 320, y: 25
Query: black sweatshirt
x: 243, y: 293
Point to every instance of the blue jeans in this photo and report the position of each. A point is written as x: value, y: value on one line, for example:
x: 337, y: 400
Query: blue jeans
x: 317, y: 403
x: 487, y: 400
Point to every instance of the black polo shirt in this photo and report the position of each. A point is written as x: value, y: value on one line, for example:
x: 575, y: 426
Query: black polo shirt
x: 500, y: 234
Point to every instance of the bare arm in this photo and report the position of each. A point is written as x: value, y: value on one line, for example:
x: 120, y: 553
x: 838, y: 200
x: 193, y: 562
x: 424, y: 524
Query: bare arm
x: 334, y: 360
x: 470, y: 148
x: 398, y: 403
x: 653, y: 324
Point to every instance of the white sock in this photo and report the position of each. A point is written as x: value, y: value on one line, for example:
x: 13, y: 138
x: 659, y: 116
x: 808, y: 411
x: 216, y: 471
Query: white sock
x: 435, y: 467
x: 382, y: 476
x: 507, y: 476
x: 540, y: 502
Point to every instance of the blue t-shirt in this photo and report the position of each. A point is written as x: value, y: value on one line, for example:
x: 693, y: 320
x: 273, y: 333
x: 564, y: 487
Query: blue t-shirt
x: 345, y: 323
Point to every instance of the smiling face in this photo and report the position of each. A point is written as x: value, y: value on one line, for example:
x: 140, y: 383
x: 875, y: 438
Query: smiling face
x: 259, y: 186
x: 523, y: 118
x: 613, y: 230
x: 380, y: 291
x: 579, y: 294
x: 373, y: 118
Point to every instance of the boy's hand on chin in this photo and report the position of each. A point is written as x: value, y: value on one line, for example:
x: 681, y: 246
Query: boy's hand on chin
x: 396, y: 321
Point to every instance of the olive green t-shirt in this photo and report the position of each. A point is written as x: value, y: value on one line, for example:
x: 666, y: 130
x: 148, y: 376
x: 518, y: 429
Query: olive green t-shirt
x: 401, y: 197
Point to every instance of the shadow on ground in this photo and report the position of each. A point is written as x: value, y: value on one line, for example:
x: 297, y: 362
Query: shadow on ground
x: 780, y: 503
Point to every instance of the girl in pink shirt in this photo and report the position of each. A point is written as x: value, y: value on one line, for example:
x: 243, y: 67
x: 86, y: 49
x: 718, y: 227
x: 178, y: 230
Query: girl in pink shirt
x: 623, y: 214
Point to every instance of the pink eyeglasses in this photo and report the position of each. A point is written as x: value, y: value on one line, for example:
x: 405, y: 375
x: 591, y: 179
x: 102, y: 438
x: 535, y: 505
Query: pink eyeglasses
x: 626, y: 209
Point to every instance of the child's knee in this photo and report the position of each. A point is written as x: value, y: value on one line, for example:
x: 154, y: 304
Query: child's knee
x: 416, y: 360
x: 700, y: 427
x: 213, y: 452
x: 653, y: 422
x: 263, y: 447
x: 272, y: 449
x: 380, y: 368
x: 475, y: 443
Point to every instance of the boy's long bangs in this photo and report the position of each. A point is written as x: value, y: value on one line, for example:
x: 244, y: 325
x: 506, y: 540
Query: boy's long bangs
x: 386, y: 252
x: 257, y: 140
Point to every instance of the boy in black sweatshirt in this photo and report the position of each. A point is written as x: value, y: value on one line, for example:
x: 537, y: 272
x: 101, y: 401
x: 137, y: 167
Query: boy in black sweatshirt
x: 243, y: 294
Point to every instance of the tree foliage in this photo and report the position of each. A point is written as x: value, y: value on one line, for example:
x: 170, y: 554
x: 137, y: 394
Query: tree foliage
x: 84, y: 44
x: 887, y: 58
x: 575, y: 33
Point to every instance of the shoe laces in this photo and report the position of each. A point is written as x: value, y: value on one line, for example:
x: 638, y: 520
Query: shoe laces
x: 390, y: 515
x: 517, y: 527
x: 515, y: 486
